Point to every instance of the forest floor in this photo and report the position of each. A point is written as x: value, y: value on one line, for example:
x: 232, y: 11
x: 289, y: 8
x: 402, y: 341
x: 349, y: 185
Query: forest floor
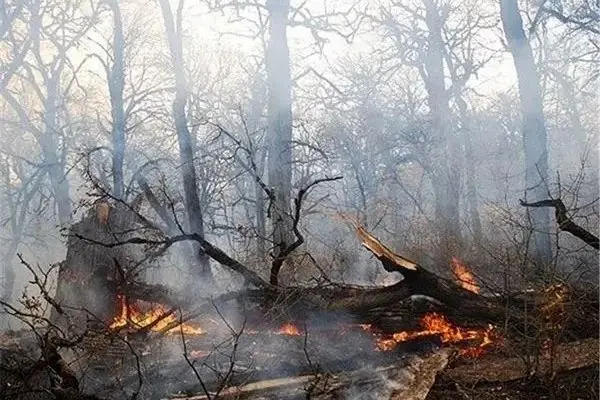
x: 579, y: 384
x: 495, y: 377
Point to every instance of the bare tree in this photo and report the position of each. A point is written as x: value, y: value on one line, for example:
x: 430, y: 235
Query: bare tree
x: 173, y: 27
x: 421, y: 38
x: 55, y: 32
x: 279, y: 127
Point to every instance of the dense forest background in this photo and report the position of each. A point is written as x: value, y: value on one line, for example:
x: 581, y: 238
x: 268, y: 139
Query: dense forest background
x: 438, y: 114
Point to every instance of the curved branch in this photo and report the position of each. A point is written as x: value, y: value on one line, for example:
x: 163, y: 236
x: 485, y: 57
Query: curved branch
x: 564, y: 222
x: 278, y: 261
x: 211, y: 250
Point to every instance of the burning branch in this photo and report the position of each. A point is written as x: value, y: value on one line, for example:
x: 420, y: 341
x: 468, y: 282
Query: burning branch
x: 158, y: 318
x: 435, y: 324
x: 464, y: 276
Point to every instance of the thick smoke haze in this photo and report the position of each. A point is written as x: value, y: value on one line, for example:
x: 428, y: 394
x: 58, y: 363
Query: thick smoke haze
x: 418, y: 106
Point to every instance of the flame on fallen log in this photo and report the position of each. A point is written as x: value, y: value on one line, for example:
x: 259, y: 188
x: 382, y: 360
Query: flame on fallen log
x: 464, y: 276
x: 158, y: 318
x: 289, y: 329
x: 438, y: 324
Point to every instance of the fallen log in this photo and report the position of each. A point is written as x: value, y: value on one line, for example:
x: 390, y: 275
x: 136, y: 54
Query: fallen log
x: 463, y: 305
x: 407, y: 382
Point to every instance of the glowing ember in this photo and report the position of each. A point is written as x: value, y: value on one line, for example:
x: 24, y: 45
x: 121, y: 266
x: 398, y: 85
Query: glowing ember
x: 437, y: 324
x: 289, y: 329
x: 464, y: 277
x: 158, y: 318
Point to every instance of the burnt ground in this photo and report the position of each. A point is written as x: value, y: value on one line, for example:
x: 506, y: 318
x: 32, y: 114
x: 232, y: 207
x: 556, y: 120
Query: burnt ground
x: 109, y: 368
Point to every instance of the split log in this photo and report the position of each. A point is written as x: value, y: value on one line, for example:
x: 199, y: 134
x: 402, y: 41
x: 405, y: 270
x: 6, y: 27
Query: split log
x: 407, y: 382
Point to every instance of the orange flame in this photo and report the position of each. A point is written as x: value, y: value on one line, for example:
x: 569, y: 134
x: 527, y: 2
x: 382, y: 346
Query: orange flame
x: 437, y: 324
x: 464, y: 276
x: 131, y: 316
x: 289, y: 329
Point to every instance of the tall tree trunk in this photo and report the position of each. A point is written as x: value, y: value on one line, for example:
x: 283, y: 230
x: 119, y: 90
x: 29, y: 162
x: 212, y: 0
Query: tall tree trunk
x: 116, y: 84
x: 260, y: 206
x: 471, y: 175
x: 8, y: 276
x: 534, y: 129
x: 50, y: 151
x: 257, y: 105
x: 446, y: 171
x: 184, y: 139
x: 9, y: 269
x: 279, y: 126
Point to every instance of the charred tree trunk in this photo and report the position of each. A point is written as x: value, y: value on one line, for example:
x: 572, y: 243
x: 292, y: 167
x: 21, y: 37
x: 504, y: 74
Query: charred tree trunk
x: 534, y: 129
x: 279, y: 129
x: 90, y: 274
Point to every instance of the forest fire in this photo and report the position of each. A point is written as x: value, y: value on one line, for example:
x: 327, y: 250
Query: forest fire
x: 158, y: 319
x: 464, y: 276
x: 437, y: 324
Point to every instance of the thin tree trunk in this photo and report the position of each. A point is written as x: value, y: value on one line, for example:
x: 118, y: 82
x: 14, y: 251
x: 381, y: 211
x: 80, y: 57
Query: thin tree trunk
x: 534, y: 129
x: 184, y: 139
x: 279, y: 126
x: 261, y: 226
x: 9, y: 275
x: 116, y: 84
x: 471, y: 176
x: 257, y: 105
x: 48, y: 143
x: 9, y: 270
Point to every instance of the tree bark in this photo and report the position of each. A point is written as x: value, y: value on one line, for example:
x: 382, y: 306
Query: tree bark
x: 279, y: 130
x: 534, y: 129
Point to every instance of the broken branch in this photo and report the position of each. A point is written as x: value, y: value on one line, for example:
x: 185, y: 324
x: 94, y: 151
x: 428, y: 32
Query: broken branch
x: 564, y: 222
